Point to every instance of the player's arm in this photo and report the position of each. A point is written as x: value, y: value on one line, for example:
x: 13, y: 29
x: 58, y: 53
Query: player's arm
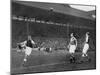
x: 24, y: 42
x: 32, y: 42
x: 76, y: 41
x: 21, y: 43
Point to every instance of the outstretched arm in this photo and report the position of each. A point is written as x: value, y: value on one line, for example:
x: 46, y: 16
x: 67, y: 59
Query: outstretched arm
x: 32, y: 42
x: 24, y: 42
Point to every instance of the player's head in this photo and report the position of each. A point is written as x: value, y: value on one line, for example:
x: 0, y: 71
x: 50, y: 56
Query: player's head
x: 29, y: 37
x: 87, y: 33
x: 71, y: 35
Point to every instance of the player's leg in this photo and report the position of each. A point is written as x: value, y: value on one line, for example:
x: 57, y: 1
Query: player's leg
x: 85, y: 49
x: 84, y: 53
x: 72, y: 52
x: 25, y: 58
x: 27, y: 53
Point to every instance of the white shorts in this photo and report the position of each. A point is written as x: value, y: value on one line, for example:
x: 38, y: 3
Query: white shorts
x: 72, y: 48
x: 85, y: 48
x: 28, y: 51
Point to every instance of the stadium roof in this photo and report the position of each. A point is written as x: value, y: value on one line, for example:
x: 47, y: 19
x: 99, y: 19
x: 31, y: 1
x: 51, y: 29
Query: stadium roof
x: 62, y: 8
x: 57, y: 13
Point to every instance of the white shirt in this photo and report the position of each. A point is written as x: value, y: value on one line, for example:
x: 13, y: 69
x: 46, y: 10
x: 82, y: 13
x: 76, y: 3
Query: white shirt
x: 87, y: 37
